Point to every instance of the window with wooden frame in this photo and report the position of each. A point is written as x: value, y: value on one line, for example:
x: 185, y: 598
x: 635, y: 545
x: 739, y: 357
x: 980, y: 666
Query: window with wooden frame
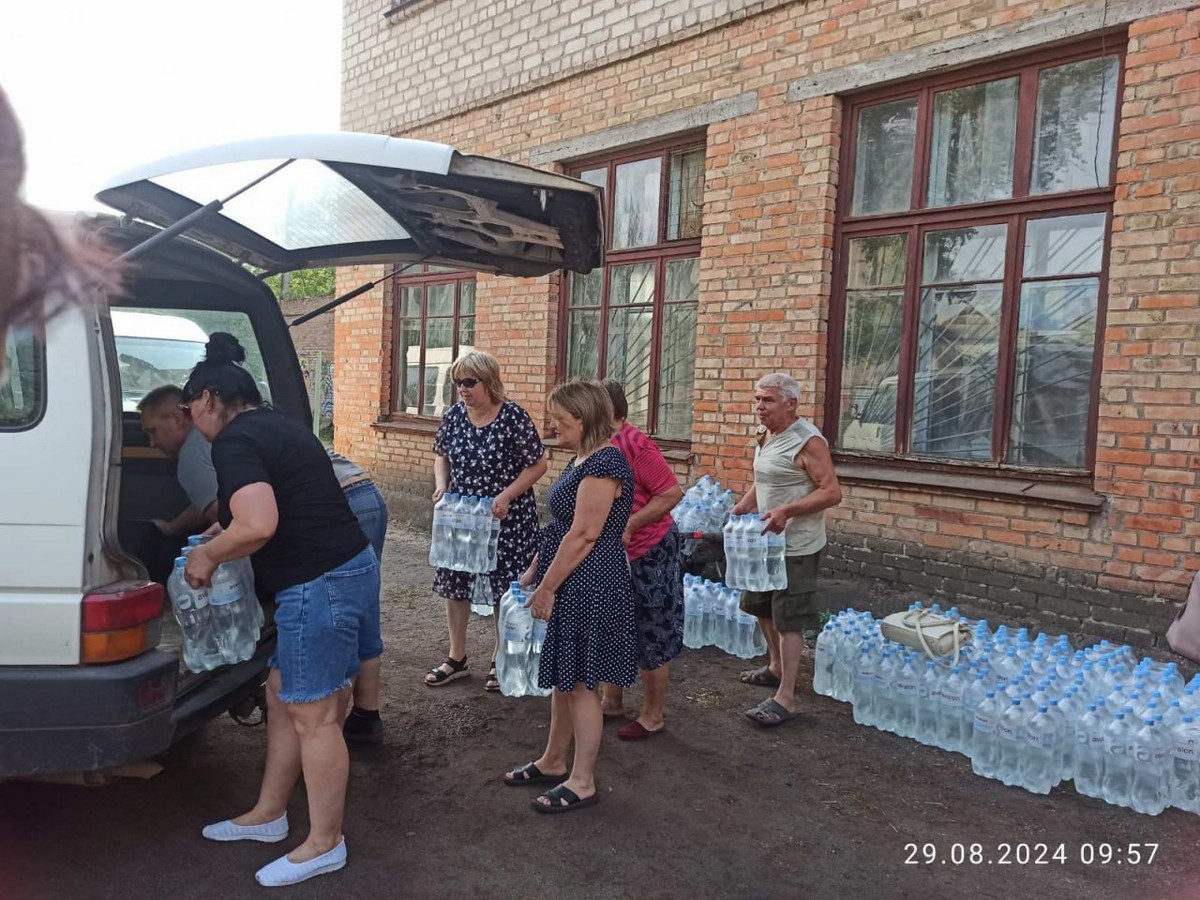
x: 635, y: 319
x: 968, y: 310
x: 434, y: 322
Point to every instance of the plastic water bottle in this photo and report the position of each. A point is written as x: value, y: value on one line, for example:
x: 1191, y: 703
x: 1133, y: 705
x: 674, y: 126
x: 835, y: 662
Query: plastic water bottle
x: 692, y: 614
x: 733, y: 558
x: 1039, y: 767
x: 200, y: 652
x: 1149, y: 791
x: 984, y: 749
x: 463, y: 529
x: 863, y: 691
x: 747, y: 626
x: 230, y: 616
x: 756, y: 556
x: 516, y: 634
x: 776, y: 562
x: 493, y: 545
x: 245, y: 572
x: 825, y: 654
x: 973, y: 695
x: 441, y: 540
x: 950, y: 725
x: 1117, y: 784
x: 925, y: 727
x: 537, y: 639
x: 1184, y: 765
x: 1010, y: 740
x: 885, y: 696
x: 905, y: 688
x: 1089, y: 753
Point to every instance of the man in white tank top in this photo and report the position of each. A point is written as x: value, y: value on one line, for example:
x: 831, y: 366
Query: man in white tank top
x: 794, y: 483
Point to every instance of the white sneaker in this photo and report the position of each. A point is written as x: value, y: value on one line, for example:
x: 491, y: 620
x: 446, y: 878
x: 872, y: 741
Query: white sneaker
x: 267, y: 833
x: 283, y: 871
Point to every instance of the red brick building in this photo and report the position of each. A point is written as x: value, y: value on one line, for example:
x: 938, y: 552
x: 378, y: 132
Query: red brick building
x: 969, y: 228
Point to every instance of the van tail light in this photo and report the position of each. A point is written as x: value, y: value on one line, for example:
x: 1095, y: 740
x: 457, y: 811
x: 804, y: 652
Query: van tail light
x: 121, y: 623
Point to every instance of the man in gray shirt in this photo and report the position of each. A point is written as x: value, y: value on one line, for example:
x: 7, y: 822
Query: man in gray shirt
x: 171, y: 431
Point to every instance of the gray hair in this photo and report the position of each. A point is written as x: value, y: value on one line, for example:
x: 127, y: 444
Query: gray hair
x: 786, y: 385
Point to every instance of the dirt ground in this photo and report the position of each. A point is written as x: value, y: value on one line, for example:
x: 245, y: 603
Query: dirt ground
x: 716, y: 807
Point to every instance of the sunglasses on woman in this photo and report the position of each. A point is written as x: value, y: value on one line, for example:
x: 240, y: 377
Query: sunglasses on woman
x: 466, y: 382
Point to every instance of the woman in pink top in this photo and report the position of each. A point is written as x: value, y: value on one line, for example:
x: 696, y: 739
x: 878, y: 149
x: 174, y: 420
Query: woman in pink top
x: 654, y: 548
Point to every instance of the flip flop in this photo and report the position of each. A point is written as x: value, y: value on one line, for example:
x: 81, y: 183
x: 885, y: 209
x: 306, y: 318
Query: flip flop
x: 636, y: 731
x: 770, y: 713
x: 763, y: 677
x: 531, y: 774
x: 563, y: 799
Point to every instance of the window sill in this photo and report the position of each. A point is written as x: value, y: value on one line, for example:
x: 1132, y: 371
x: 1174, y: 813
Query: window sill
x: 1065, y: 495
x: 413, y: 425
x: 676, y: 452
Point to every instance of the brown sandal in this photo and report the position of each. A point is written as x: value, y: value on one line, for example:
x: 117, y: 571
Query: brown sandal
x: 458, y: 669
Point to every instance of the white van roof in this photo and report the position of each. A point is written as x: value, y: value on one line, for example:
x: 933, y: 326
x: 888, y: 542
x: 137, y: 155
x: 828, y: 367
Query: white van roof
x: 153, y: 325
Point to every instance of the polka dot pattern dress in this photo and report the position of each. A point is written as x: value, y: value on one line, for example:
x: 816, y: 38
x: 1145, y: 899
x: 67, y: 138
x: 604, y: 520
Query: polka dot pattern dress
x: 591, y: 636
x: 483, y: 462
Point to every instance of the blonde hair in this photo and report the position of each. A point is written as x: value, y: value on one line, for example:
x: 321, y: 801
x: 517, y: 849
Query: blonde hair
x: 589, y: 402
x: 485, y: 367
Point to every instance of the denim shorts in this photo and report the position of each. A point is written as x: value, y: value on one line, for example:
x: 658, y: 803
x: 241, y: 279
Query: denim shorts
x: 369, y: 507
x: 326, y: 628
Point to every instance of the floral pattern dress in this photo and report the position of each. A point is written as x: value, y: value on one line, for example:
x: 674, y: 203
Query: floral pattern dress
x: 483, y: 462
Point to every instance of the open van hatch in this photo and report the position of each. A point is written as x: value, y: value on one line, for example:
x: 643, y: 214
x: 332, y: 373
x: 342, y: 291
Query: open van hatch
x: 287, y: 203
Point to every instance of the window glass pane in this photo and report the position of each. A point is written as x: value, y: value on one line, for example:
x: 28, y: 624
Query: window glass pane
x: 964, y: 254
x: 635, y: 206
x: 466, y: 298
x: 585, y: 289
x: 954, y: 393
x: 871, y: 348
x: 686, y: 201
x: 157, y: 347
x: 410, y: 301
x: 1053, y: 385
x: 677, y: 360
x: 583, y: 344
x: 630, y: 330
x: 683, y: 280
x: 439, y: 300
x: 466, y: 334
x: 22, y: 379
x: 598, y: 177
x: 432, y: 269
x: 883, y: 157
x: 870, y: 365
x: 974, y: 138
x: 1064, y: 245
x: 408, y: 359
x: 1076, y: 111
x: 632, y: 284
x: 877, y: 261
x: 438, y: 351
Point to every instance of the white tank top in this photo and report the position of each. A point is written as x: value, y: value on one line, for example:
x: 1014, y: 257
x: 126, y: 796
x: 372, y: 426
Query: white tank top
x: 777, y: 481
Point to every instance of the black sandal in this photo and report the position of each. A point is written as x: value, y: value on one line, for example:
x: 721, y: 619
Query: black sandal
x: 493, y: 682
x: 458, y: 669
x: 563, y: 799
x: 531, y: 774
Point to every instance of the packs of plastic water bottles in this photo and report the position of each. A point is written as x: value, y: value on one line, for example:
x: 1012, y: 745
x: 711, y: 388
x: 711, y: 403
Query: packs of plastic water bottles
x: 1029, y: 712
x: 713, y: 617
x: 521, y: 639
x: 754, y: 560
x: 221, y: 624
x: 703, y: 508
x: 466, y: 535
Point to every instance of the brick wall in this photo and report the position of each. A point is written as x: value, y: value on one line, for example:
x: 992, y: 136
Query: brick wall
x: 770, y: 189
x: 315, y: 334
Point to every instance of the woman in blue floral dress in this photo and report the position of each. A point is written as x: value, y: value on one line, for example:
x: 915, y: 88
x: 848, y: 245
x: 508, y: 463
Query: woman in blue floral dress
x: 486, y: 446
x: 584, y: 590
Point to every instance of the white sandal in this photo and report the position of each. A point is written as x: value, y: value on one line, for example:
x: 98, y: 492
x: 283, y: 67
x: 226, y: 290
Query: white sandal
x: 283, y: 871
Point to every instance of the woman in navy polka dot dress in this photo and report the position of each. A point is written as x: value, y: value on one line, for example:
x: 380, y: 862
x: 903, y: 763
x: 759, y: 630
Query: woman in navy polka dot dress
x: 486, y: 446
x: 584, y: 589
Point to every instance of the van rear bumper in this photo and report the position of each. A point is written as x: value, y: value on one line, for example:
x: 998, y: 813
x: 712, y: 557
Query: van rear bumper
x: 82, y: 718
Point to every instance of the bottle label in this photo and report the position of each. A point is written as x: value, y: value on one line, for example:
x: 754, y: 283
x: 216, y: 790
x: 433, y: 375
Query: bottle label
x: 1035, y: 740
x: 1142, y: 753
x: 983, y: 724
x: 516, y: 631
x: 1007, y: 732
x: 229, y: 592
x: 1159, y: 756
x: 951, y: 699
x: 200, y: 598
x: 1185, y: 751
x: 866, y: 677
x: 906, y: 687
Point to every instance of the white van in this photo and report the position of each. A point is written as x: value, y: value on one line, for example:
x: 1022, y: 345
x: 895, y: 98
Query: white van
x: 90, y: 674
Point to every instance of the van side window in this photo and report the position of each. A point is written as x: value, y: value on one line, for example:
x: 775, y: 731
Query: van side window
x: 22, y: 380
x: 160, y: 346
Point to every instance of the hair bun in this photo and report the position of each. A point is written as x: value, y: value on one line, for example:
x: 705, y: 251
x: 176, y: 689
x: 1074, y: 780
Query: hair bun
x: 223, y: 347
